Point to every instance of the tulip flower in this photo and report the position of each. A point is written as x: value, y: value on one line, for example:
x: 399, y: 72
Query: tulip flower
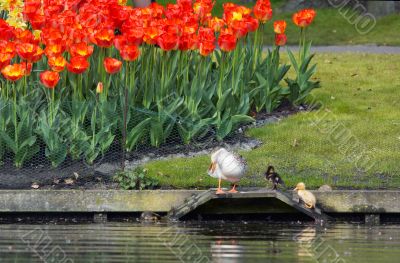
x: 5, y: 59
x: 78, y: 65
x: 206, y: 48
x: 227, y: 42
x: 279, y: 26
x: 81, y: 50
x: 53, y: 50
x: 112, y: 65
x: 103, y: 37
x: 168, y: 41
x: 99, y: 88
x: 304, y: 17
x: 280, y: 39
x: 262, y: 11
x: 130, y: 53
x: 49, y: 79
x: 27, y: 51
x: 57, y: 63
x: 13, y: 72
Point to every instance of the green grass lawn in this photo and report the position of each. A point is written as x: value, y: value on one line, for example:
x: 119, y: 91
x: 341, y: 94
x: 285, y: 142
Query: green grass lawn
x: 360, y: 96
x: 329, y: 27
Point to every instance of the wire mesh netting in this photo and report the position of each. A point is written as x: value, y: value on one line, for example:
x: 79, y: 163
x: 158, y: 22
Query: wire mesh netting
x: 46, y: 140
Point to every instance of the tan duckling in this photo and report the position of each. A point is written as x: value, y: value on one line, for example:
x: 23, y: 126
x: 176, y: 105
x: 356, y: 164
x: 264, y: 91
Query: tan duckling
x: 306, y: 196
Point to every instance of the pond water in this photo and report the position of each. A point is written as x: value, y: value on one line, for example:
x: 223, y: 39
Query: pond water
x: 215, y: 241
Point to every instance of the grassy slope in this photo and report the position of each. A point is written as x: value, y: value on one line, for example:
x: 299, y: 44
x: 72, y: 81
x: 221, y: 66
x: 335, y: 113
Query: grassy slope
x: 329, y: 27
x: 359, y: 92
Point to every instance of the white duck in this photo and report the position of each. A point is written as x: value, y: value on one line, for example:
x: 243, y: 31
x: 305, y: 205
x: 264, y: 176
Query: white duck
x: 306, y: 196
x: 227, y: 166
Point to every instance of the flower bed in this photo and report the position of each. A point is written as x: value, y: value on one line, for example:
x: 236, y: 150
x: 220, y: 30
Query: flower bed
x: 81, y: 76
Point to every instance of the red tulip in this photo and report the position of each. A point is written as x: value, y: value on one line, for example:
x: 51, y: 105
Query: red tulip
x: 57, y: 63
x: 263, y: 11
x: 37, y: 56
x: 27, y: 50
x: 280, y: 39
x: 81, y: 50
x: 5, y: 59
x: 227, y: 42
x: 304, y: 17
x: 280, y: 26
x: 216, y: 24
x: 103, y: 37
x: 78, y: 65
x: 49, y: 79
x: 112, y: 65
x: 206, y: 48
x: 54, y: 50
x: 168, y: 41
x: 129, y: 53
x: 13, y: 72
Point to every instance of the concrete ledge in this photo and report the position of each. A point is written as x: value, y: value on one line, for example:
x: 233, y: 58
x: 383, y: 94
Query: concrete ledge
x: 44, y: 201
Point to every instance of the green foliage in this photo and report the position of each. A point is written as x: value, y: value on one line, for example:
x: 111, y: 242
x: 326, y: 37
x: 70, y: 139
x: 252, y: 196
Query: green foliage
x: 268, y: 92
x: 17, y: 131
x: 302, y: 85
x: 136, y: 179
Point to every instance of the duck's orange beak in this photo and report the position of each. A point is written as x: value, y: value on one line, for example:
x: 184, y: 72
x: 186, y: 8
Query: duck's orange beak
x: 212, y: 167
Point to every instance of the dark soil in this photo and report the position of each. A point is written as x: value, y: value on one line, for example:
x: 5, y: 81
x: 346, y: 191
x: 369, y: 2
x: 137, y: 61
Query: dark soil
x: 39, y: 174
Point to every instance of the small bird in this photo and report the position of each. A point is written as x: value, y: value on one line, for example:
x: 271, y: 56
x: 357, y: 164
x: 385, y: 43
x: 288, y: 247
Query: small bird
x: 273, y: 177
x: 227, y: 166
x: 306, y: 196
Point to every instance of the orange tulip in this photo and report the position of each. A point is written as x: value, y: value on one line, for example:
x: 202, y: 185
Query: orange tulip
x: 53, y: 50
x: 150, y: 35
x: 280, y: 39
x: 216, y: 24
x: 49, y: 79
x: 8, y: 47
x: 57, y: 63
x: 78, y: 65
x: 13, y: 72
x: 5, y: 59
x: 103, y: 37
x: 27, y: 50
x: 112, y: 65
x: 304, y: 17
x: 280, y: 26
x: 81, y: 50
x: 129, y: 53
x: 37, y: 56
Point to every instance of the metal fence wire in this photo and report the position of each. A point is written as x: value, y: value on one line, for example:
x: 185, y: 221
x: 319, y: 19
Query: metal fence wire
x: 91, y: 138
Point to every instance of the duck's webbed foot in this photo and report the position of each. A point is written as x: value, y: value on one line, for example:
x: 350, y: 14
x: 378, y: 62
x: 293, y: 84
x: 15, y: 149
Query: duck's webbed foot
x: 233, y: 190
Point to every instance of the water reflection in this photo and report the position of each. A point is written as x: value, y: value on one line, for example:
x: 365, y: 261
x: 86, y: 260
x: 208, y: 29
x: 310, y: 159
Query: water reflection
x: 193, y: 242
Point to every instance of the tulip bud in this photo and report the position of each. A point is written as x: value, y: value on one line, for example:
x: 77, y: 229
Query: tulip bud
x: 99, y: 88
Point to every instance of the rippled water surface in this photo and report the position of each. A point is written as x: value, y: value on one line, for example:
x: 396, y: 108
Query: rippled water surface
x: 205, y: 242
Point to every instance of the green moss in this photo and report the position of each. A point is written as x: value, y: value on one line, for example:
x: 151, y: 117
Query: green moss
x: 360, y: 94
